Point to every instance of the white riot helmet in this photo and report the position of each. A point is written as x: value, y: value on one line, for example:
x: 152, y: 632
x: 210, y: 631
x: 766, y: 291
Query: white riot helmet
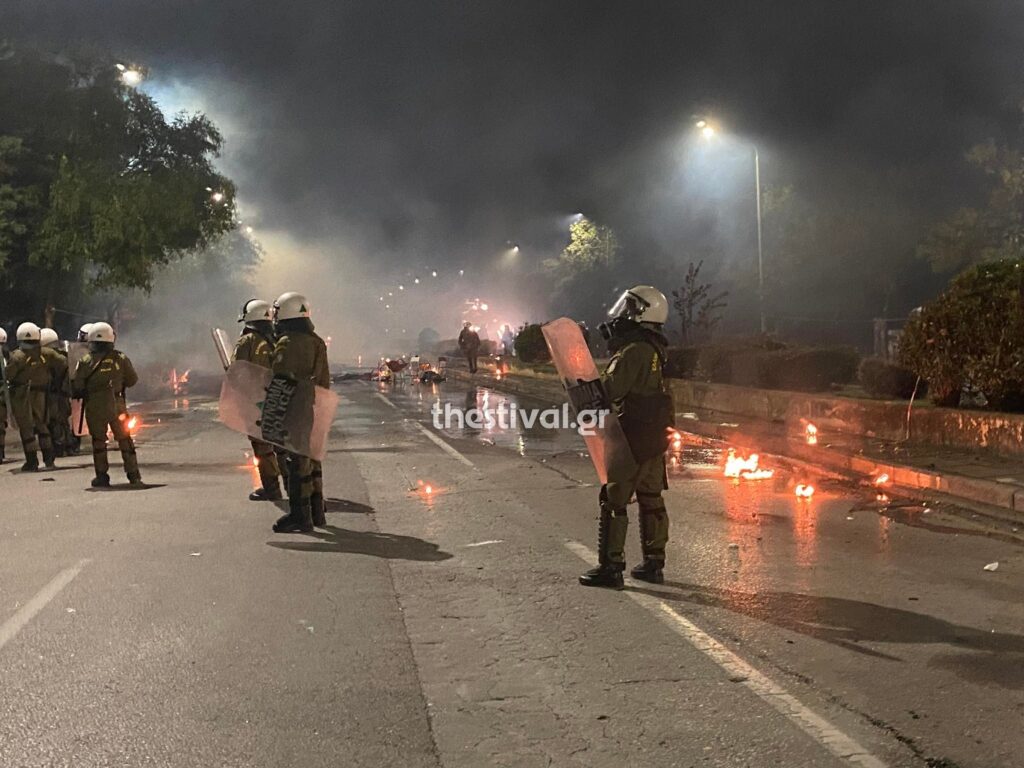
x: 641, y: 304
x: 290, y: 306
x: 101, y: 332
x: 28, y: 332
x: 254, y: 310
x: 3, y: 336
x: 83, y: 332
x: 48, y: 337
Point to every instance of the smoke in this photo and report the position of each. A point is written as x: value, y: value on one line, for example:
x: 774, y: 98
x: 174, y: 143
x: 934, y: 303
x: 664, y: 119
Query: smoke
x: 371, y: 142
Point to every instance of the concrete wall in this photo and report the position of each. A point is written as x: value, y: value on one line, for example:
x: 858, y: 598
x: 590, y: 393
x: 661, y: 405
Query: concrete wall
x: 1002, y: 433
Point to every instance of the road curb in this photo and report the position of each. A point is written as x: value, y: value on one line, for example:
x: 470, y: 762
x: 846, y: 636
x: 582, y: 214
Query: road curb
x: 1006, y: 495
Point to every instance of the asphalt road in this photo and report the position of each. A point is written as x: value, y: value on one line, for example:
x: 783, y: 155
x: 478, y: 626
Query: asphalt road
x: 170, y: 627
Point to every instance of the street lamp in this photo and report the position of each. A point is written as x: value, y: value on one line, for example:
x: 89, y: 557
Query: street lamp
x: 707, y: 131
x: 129, y: 76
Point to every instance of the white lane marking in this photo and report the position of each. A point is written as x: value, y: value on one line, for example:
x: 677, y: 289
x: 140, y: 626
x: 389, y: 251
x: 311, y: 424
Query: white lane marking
x: 378, y: 394
x: 40, y: 600
x: 443, y: 445
x: 818, y: 728
x: 484, y: 543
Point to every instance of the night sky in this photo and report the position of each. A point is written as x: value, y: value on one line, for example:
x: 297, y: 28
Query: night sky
x: 392, y: 134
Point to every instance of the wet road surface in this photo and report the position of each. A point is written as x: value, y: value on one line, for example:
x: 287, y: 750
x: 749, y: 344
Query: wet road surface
x: 436, y: 619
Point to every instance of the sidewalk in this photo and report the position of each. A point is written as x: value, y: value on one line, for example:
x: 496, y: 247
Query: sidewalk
x: 973, y: 475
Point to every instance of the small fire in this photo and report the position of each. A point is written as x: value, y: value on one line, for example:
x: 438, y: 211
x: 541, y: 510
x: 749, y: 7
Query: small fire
x: 882, y: 479
x: 811, y: 434
x: 255, y: 461
x: 131, y: 423
x: 746, y: 468
x: 804, y: 491
x: 675, y: 439
x: 882, y: 498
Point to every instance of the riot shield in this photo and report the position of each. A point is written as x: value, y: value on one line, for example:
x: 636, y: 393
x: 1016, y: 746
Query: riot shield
x: 606, y: 444
x: 223, y: 344
x: 293, y: 415
x: 76, y: 351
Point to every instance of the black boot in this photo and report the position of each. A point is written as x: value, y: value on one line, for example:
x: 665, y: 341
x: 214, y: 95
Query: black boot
x: 607, y: 574
x: 2, y: 457
x: 101, y: 481
x: 649, y: 571
x: 31, y: 462
x: 48, y: 458
x: 270, y: 491
x: 318, y: 510
x: 298, y: 519
x: 135, y: 480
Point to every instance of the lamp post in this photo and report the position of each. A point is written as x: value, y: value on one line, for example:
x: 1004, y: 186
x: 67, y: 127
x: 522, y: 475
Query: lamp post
x: 708, y: 131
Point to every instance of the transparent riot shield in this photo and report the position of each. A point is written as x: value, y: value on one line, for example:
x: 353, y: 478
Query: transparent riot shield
x: 76, y: 351
x: 607, y: 443
x: 222, y: 342
x: 296, y: 416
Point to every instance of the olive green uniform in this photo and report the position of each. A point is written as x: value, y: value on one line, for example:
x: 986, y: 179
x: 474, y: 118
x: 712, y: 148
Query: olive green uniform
x: 102, y: 378
x: 58, y: 402
x: 635, y: 369
x: 3, y: 408
x: 253, y: 348
x: 28, y: 376
x: 302, y: 356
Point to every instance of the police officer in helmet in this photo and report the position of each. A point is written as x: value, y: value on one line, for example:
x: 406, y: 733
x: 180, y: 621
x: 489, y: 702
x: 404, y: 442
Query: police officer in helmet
x: 634, y: 383
x: 300, y: 354
x: 28, y: 379
x: 256, y: 345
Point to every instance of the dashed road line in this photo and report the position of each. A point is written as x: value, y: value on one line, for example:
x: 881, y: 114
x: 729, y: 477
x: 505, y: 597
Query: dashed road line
x: 442, y: 444
x: 42, y: 598
x: 837, y: 742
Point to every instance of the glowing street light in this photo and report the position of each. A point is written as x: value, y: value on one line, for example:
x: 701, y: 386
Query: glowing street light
x: 707, y: 131
x: 217, y: 197
x: 129, y: 76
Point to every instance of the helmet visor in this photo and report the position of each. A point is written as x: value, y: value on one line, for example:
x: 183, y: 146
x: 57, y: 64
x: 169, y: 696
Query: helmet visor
x: 629, y: 306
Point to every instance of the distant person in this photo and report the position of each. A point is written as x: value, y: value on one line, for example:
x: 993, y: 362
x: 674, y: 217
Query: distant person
x: 508, y: 341
x: 101, y: 378
x: 4, y: 394
x: 58, y: 399
x: 28, y: 379
x: 469, y: 345
x: 255, y: 345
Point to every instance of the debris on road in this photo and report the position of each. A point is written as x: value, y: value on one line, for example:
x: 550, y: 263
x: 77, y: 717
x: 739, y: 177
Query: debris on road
x: 991, y: 567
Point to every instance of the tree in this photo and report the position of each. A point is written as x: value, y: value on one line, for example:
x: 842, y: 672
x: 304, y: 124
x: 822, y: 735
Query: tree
x: 697, y: 307
x: 995, y: 231
x: 583, y: 271
x: 98, y: 190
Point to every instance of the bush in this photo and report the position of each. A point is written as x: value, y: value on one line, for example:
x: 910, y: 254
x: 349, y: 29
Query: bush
x: 972, y: 335
x: 881, y: 378
x: 530, y: 345
x: 715, y: 361
x: 681, y: 362
x: 807, y: 369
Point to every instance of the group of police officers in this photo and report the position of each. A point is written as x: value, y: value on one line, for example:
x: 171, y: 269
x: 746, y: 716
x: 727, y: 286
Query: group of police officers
x: 281, y: 337
x: 39, y: 386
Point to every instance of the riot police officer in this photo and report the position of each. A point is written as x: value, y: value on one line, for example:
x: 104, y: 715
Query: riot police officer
x: 28, y: 379
x: 4, y: 394
x: 58, y: 398
x: 256, y: 345
x: 634, y: 383
x: 300, y: 355
x: 101, y: 378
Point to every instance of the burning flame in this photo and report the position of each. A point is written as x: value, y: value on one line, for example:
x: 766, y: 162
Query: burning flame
x: 255, y: 461
x: 745, y: 468
x: 882, y: 498
x: 811, y: 434
x: 675, y: 439
x: 179, y: 382
x: 131, y: 423
x: 804, y: 491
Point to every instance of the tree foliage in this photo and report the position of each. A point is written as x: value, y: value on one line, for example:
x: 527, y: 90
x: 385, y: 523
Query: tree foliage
x: 98, y: 190
x: 699, y: 309
x: 995, y: 231
x: 972, y: 335
x: 583, y: 271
